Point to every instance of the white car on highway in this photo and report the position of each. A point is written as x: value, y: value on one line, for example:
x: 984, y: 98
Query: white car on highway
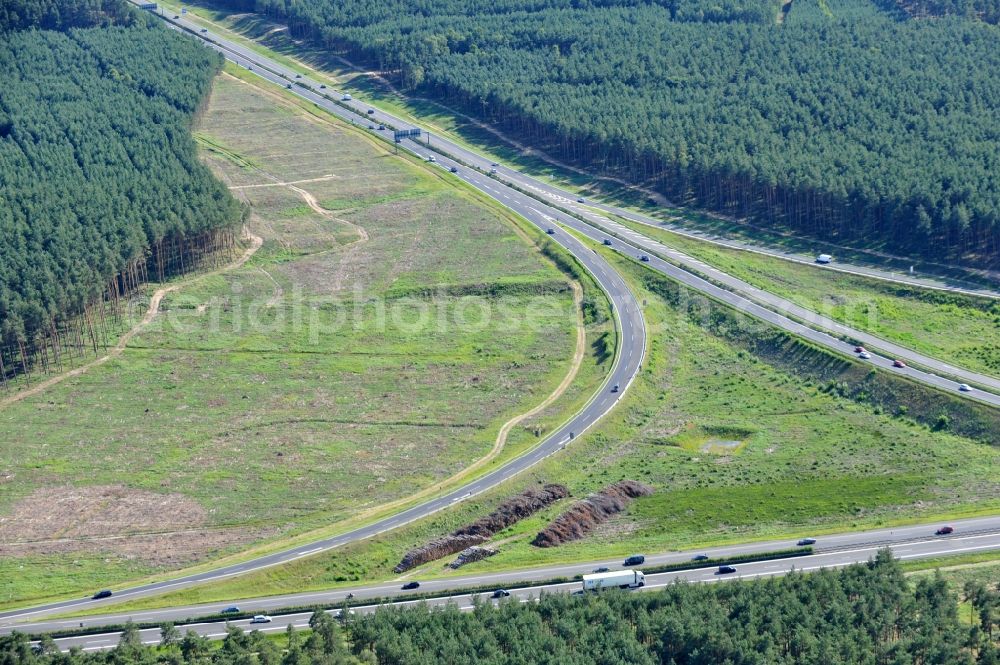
x: 260, y: 618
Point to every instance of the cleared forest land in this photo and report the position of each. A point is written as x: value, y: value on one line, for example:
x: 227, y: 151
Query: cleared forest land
x: 348, y: 364
x: 844, y: 123
x: 954, y: 328
x: 737, y: 449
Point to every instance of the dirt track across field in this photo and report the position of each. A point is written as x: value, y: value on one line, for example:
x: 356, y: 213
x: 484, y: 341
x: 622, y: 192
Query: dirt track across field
x: 151, y: 312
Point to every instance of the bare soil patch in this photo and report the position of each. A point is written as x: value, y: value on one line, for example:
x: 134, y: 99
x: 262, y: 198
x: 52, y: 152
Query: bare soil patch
x: 158, y: 529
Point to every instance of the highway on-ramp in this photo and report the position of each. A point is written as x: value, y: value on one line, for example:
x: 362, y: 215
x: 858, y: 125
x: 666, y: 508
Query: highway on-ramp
x: 532, y: 198
x: 631, y: 346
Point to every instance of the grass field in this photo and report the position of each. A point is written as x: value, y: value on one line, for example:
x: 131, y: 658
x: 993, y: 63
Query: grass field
x: 736, y: 449
x: 374, y: 345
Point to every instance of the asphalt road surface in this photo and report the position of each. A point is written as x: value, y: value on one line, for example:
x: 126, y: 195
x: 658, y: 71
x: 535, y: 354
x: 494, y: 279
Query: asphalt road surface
x: 554, y: 204
x: 928, y: 281
x: 630, y: 348
x: 782, y: 305
x: 831, y: 552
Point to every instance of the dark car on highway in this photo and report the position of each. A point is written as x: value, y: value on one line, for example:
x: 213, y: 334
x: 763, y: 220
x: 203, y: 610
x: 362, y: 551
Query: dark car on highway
x: 944, y: 531
x: 644, y: 258
x: 105, y: 593
x: 411, y: 585
x: 634, y: 560
x: 602, y: 569
x: 551, y: 232
x: 726, y: 570
x: 501, y: 593
x: 454, y: 169
x: 807, y: 541
x: 607, y: 241
x: 700, y: 557
x: 232, y: 609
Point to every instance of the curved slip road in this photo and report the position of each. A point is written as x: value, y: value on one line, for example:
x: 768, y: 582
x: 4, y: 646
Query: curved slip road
x: 754, y: 301
x: 832, y: 551
x: 631, y: 347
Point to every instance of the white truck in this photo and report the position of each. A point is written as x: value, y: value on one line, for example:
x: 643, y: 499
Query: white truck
x: 622, y: 579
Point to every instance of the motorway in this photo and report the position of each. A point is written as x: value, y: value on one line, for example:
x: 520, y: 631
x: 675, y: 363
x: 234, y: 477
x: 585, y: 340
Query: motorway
x: 925, y: 281
x: 631, y: 346
x: 830, y: 552
x: 630, y: 352
x: 509, y: 187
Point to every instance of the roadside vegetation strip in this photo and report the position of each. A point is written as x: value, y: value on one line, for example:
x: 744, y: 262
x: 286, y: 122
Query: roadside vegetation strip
x: 988, y: 561
x: 954, y: 328
x: 810, y: 460
x: 495, y: 259
x: 592, y: 301
x: 444, y: 593
x: 151, y: 311
x: 898, y: 395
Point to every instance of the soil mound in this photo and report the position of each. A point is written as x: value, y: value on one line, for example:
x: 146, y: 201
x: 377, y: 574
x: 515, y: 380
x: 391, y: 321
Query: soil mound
x: 435, y: 549
x: 509, y: 512
x: 471, y: 555
x: 514, y: 510
x: 587, y: 513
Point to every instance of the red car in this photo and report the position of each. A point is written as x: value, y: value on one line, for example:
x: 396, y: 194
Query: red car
x: 898, y: 363
x: 944, y: 531
x: 859, y: 349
